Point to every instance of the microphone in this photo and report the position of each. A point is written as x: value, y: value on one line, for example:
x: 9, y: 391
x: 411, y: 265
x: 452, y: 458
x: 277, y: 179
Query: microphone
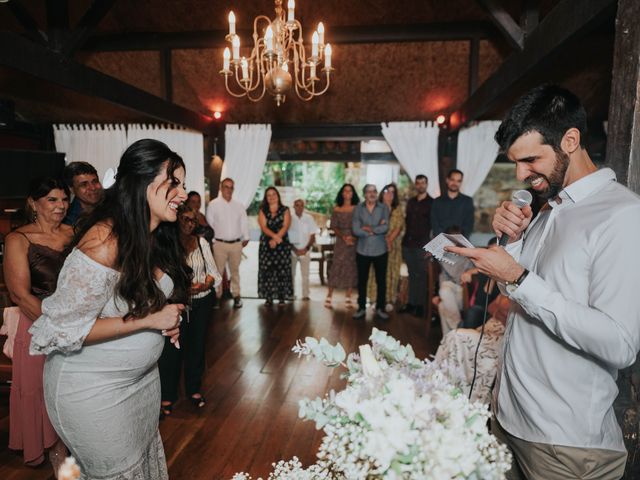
x: 521, y: 198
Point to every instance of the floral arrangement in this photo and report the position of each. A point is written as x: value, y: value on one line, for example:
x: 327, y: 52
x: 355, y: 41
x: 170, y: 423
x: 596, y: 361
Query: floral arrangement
x: 398, y: 418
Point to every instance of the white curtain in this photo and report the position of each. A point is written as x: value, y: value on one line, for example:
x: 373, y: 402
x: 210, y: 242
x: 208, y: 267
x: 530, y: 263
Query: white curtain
x: 189, y: 144
x: 100, y: 145
x: 415, y: 145
x: 477, y: 151
x: 246, y: 149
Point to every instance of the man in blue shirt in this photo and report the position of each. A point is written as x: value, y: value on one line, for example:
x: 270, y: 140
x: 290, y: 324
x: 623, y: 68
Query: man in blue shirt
x: 453, y: 208
x: 82, y: 179
x: 370, y: 224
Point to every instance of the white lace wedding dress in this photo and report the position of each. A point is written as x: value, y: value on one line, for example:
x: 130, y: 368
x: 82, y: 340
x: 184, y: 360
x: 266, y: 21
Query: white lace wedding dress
x: 103, y: 399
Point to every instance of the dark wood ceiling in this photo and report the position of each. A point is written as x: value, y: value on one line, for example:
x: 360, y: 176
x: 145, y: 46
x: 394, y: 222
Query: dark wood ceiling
x: 373, y: 82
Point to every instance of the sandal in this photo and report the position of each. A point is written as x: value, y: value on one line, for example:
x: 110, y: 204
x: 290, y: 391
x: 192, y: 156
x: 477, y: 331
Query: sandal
x: 327, y: 302
x: 348, y: 303
x: 165, y: 409
x: 198, y: 402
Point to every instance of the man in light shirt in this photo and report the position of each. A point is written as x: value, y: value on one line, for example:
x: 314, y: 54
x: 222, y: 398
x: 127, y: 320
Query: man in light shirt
x: 302, y: 235
x: 572, y: 276
x: 228, y: 218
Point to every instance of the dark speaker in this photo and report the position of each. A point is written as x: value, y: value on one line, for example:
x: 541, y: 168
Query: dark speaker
x: 7, y: 114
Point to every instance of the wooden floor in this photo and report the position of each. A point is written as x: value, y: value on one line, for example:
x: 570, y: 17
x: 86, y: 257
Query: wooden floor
x: 253, y: 383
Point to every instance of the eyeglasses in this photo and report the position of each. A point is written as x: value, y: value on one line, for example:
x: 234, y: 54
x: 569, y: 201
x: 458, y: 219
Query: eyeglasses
x: 371, y: 191
x: 188, y: 220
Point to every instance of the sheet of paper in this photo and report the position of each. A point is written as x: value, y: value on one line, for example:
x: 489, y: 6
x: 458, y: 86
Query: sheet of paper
x: 436, y: 247
x: 453, y: 264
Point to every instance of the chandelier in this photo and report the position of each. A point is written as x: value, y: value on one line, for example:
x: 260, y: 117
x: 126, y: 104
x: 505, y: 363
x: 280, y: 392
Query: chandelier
x: 278, y: 52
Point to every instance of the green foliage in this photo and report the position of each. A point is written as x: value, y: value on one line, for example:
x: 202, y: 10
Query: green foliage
x: 317, y: 182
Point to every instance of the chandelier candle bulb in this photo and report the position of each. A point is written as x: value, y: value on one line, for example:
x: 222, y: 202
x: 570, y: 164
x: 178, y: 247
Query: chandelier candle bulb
x: 327, y: 56
x: 268, y: 39
x: 232, y: 24
x: 314, y: 45
x: 313, y: 71
x: 245, y: 68
x: 321, y: 33
x: 226, y: 56
x: 235, y: 43
x: 291, y: 6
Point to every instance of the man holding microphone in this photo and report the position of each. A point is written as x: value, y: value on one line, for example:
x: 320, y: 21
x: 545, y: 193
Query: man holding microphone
x: 572, y: 276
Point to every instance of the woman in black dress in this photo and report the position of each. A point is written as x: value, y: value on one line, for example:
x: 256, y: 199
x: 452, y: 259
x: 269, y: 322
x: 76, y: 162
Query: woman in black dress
x: 274, y: 272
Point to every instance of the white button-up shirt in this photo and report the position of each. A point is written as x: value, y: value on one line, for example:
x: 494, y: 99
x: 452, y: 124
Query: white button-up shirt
x: 301, y: 229
x: 575, y: 320
x: 228, y: 219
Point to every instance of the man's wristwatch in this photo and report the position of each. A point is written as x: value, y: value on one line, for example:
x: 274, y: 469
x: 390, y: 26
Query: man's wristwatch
x: 511, y: 287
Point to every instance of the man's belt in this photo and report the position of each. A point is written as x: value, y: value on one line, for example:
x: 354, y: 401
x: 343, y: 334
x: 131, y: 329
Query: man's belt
x: 229, y: 241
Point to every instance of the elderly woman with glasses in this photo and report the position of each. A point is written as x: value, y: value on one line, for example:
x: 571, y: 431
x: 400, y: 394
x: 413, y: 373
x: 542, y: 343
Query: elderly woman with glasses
x: 193, y: 329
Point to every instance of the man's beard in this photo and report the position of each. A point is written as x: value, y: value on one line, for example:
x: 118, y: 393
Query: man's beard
x: 556, y: 179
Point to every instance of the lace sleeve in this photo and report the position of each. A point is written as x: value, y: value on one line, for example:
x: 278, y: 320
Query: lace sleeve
x: 84, y: 287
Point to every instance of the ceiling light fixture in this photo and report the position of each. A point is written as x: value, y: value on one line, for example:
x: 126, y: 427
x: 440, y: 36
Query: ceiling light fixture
x: 278, y: 59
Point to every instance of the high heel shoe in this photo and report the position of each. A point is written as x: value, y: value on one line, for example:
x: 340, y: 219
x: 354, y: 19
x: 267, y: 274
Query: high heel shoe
x: 198, y: 402
x: 165, y: 409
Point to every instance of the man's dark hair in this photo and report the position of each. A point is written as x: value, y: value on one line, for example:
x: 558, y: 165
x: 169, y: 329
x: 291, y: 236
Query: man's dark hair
x: 192, y: 193
x: 454, y: 170
x: 77, y: 168
x: 549, y: 110
x: 420, y: 177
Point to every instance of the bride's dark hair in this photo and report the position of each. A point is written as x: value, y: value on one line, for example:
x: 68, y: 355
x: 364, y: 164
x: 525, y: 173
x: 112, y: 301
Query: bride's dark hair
x: 125, y: 206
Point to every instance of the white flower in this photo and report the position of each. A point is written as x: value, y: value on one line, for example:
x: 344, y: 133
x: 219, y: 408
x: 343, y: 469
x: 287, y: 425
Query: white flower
x: 370, y: 365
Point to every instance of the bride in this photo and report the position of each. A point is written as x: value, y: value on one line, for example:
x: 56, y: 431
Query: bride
x: 120, y: 290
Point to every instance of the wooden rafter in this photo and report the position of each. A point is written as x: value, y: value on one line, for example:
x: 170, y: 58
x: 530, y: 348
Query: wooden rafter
x: 338, y: 35
x: 567, y: 21
x: 23, y: 55
x: 505, y: 23
x: 92, y: 17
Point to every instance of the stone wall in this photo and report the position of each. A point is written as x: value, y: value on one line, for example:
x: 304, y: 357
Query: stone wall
x: 496, y: 188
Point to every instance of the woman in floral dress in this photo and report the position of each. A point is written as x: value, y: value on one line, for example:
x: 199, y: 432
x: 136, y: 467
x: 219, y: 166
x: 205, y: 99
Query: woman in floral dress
x: 274, y: 264
x: 343, y: 272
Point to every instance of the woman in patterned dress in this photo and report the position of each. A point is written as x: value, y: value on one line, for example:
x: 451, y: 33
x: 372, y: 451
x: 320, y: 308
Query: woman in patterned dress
x: 343, y: 272
x: 389, y: 196
x: 274, y: 254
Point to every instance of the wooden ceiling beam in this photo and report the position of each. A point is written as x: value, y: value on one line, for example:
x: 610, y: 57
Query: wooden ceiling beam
x: 25, y: 19
x: 567, y: 21
x: 327, y: 132
x: 89, y: 21
x: 505, y: 23
x: 20, y: 54
x: 336, y: 35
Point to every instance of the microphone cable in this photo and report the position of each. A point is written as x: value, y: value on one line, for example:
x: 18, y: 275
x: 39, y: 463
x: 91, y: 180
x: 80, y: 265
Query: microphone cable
x: 484, y: 321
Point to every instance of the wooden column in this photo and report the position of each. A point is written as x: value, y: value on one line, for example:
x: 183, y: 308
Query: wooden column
x: 623, y: 155
x: 623, y: 132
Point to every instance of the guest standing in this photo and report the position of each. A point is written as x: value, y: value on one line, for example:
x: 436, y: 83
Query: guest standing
x: 82, y: 179
x: 33, y: 258
x: 370, y: 224
x: 302, y: 235
x: 202, y: 228
x: 228, y: 218
x: 123, y: 284
x: 453, y: 208
x: 416, y: 236
x: 274, y: 265
x: 389, y: 197
x: 193, y: 328
x: 343, y: 272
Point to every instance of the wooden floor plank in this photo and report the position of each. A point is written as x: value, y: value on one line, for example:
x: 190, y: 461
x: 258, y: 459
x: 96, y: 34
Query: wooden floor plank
x: 252, y: 383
